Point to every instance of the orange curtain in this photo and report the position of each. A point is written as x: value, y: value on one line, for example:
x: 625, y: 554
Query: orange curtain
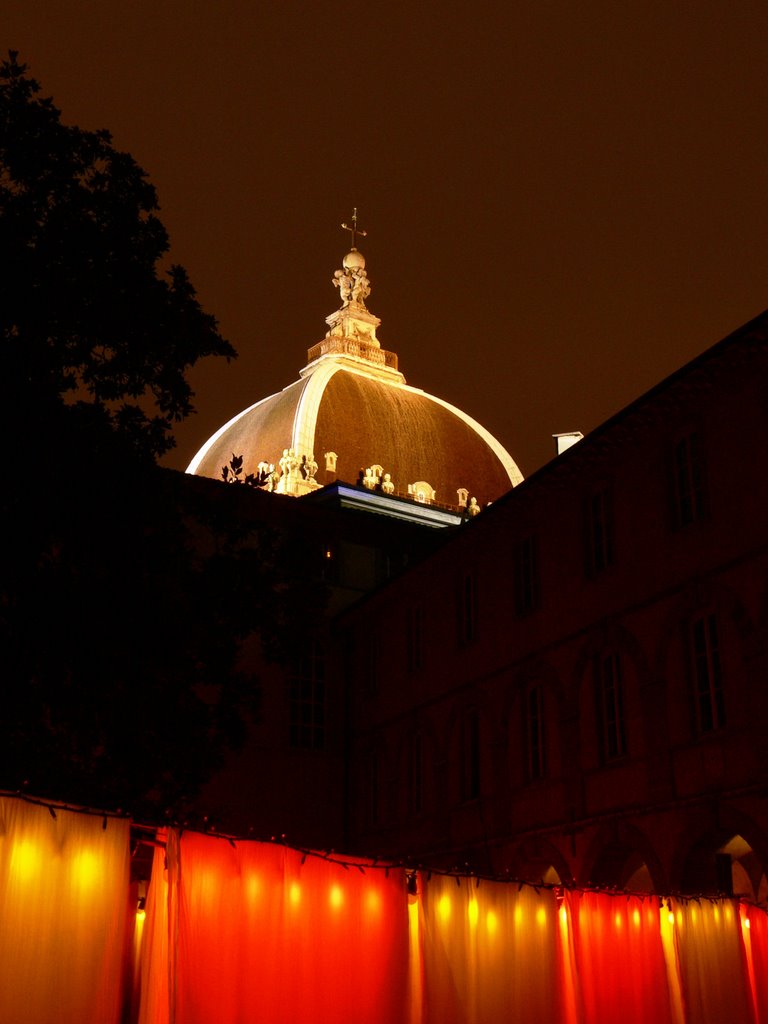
x: 258, y: 932
x: 618, y: 958
x: 63, y: 906
x: 490, y: 953
x: 712, y: 963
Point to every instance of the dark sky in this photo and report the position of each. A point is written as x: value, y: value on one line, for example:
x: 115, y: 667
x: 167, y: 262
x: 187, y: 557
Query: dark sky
x: 565, y: 200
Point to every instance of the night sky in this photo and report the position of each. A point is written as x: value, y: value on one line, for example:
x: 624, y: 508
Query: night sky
x: 565, y: 201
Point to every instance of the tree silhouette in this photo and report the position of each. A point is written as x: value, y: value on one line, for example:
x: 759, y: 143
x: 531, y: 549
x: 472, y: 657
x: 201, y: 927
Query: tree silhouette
x: 126, y: 591
x: 90, y: 321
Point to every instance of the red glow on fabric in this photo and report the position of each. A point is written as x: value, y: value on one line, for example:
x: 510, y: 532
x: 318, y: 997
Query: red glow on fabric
x: 619, y: 959
x: 264, y: 932
x: 756, y: 946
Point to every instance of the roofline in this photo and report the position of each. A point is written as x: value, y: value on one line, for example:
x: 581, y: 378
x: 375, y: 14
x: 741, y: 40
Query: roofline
x: 593, y: 437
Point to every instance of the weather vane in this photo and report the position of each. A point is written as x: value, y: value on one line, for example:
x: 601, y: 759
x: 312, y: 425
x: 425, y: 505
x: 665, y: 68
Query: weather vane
x: 354, y: 229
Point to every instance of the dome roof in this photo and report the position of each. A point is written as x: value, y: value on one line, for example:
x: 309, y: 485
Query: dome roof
x: 352, y: 417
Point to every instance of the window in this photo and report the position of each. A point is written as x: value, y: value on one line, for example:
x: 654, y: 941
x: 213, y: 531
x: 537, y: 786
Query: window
x: 370, y: 663
x: 416, y: 774
x: 467, y: 610
x: 706, y: 672
x: 414, y: 638
x: 526, y: 576
x: 689, y: 483
x: 372, y: 809
x: 534, y: 734
x: 470, y: 755
x: 610, y: 707
x: 306, y: 692
x: 600, y: 554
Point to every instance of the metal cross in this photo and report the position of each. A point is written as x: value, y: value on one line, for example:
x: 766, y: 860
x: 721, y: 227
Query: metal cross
x: 354, y: 229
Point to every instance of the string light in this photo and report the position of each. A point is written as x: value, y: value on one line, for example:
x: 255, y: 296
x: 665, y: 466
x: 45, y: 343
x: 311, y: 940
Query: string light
x: 377, y: 863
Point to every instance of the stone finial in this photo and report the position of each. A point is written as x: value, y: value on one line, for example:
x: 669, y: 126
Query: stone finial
x: 352, y: 281
x: 422, y: 492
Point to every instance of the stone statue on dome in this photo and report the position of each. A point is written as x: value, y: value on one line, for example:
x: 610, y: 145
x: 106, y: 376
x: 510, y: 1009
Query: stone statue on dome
x: 361, y: 288
x: 308, y: 466
x: 352, y: 281
x: 345, y: 282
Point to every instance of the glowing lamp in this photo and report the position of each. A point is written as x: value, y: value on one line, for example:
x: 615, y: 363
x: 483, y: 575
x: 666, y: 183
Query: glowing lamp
x: 444, y: 908
x: 473, y: 913
x: 26, y: 860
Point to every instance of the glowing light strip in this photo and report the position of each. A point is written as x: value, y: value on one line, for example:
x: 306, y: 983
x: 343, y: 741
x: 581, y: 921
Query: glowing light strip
x: 193, y: 466
x: 307, y: 408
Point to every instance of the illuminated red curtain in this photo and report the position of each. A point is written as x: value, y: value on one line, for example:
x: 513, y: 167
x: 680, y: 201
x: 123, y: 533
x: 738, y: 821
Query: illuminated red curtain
x: 491, y: 953
x: 712, y: 962
x: 618, y: 959
x: 754, y: 922
x: 63, y: 906
x: 258, y: 932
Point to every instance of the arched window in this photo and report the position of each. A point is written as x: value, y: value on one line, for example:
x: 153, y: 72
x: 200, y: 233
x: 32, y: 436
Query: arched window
x: 415, y: 779
x: 470, y: 754
x: 706, y: 673
x: 610, y: 713
x: 306, y: 693
x: 535, y: 734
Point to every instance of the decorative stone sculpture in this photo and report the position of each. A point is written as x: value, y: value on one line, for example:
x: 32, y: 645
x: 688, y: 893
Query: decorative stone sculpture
x: 474, y: 508
x: 352, y: 282
x: 386, y: 485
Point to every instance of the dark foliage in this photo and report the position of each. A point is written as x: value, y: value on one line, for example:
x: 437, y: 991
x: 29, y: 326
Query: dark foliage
x: 124, y: 601
x: 124, y: 595
x: 87, y: 316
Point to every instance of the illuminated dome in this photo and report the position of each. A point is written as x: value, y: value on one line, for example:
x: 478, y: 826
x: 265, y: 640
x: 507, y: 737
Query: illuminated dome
x: 352, y: 417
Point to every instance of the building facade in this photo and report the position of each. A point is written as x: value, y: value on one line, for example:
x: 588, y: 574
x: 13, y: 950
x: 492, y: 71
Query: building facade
x: 575, y: 686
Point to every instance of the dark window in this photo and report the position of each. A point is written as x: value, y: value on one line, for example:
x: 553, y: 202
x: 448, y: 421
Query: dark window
x: 534, y: 733
x: 470, y: 755
x: 610, y: 707
x: 689, y: 483
x: 707, y: 673
x: 600, y: 553
x: 414, y: 638
x: 467, y: 609
x: 307, y: 698
x: 526, y: 576
x: 416, y: 774
x: 372, y: 809
x: 370, y: 660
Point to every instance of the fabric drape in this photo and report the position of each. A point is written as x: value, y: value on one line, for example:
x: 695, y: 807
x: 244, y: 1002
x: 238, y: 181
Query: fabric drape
x: 711, y: 961
x: 63, y: 914
x: 490, y: 953
x: 259, y: 932
x: 618, y: 959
